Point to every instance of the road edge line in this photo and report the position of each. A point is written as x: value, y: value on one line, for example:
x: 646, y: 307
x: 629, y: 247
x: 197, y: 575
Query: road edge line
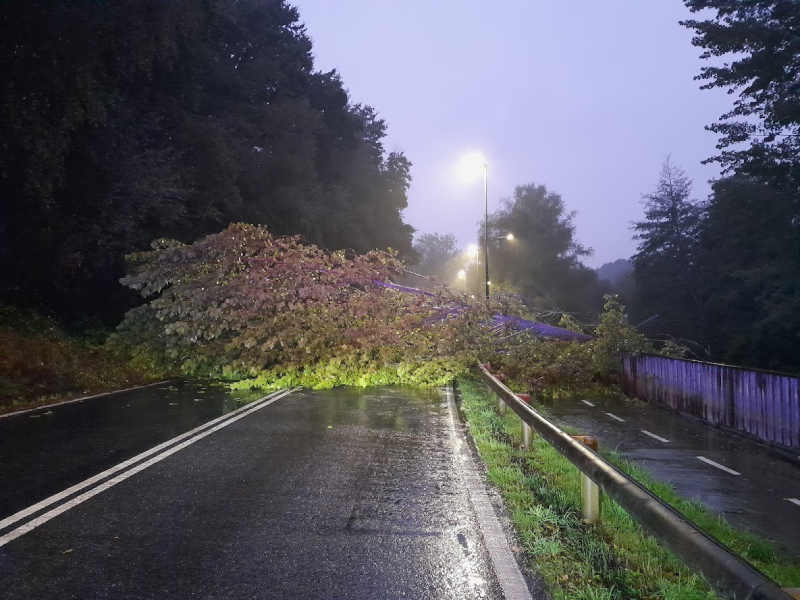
x: 505, y: 565
x: 82, y: 398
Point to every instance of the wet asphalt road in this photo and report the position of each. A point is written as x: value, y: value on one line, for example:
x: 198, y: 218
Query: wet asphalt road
x: 47, y: 450
x: 337, y: 494
x: 758, y: 498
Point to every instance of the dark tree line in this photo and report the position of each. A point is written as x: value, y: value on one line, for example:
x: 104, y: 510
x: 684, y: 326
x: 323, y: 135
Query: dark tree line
x: 725, y: 273
x: 122, y: 122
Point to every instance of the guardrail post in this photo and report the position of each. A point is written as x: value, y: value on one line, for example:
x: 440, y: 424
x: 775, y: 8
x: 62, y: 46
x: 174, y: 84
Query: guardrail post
x: 501, y: 405
x: 590, y: 493
x: 526, y: 434
x: 525, y: 430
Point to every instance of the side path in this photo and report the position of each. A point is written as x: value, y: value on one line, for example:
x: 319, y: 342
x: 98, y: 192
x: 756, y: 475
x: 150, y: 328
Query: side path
x: 336, y: 494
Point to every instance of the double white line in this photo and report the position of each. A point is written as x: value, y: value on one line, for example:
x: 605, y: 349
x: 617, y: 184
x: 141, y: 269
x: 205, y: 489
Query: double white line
x: 157, y: 453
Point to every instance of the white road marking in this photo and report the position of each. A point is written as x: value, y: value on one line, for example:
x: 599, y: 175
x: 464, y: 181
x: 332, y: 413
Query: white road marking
x: 794, y: 501
x: 719, y: 466
x: 82, y: 398
x: 613, y: 416
x: 505, y: 565
x: 252, y: 407
x: 587, y: 403
x: 653, y: 435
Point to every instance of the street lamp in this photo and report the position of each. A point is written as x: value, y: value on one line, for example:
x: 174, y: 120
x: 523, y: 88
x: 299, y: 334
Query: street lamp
x: 470, y: 164
x: 462, y: 275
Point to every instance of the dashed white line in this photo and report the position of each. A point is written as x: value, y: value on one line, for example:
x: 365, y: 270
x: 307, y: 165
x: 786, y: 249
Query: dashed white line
x: 794, y: 501
x: 34, y: 523
x: 613, y: 416
x: 587, y: 403
x: 653, y: 435
x: 719, y: 466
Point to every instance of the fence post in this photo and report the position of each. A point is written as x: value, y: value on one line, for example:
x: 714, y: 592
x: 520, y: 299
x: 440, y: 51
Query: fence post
x: 526, y: 431
x: 590, y: 493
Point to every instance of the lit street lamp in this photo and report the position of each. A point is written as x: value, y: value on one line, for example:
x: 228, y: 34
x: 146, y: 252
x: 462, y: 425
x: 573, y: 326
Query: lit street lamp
x: 462, y: 275
x: 470, y: 164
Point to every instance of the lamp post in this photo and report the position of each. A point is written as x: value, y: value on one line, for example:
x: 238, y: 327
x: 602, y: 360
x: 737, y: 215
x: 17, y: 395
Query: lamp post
x: 486, y: 224
x: 469, y: 167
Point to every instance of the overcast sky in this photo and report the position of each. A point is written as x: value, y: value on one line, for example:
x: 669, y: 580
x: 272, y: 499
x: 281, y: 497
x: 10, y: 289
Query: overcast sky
x: 583, y: 96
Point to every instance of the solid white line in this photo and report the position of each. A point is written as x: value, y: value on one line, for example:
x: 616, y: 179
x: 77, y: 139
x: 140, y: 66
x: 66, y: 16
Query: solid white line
x: 719, y: 466
x: 92, y: 480
x: 794, y: 501
x: 653, y: 435
x: 82, y: 398
x: 34, y: 523
x: 587, y: 403
x: 505, y: 565
x: 613, y: 416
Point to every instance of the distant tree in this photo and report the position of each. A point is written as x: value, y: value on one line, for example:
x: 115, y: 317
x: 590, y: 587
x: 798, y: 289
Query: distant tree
x: 665, y: 266
x: 761, y: 38
x: 543, y: 261
x: 438, y: 254
x: 750, y: 263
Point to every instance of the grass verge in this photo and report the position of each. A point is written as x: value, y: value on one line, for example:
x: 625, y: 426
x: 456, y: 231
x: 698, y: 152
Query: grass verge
x: 41, y: 364
x: 615, y: 559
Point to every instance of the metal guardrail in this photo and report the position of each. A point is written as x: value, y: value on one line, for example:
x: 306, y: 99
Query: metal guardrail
x: 729, y: 575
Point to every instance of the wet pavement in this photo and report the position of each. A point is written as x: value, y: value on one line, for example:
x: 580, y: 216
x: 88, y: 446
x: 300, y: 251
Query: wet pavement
x: 49, y: 449
x: 752, y: 486
x: 337, y: 494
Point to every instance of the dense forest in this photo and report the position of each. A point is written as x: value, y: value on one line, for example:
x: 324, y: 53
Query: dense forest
x: 124, y: 122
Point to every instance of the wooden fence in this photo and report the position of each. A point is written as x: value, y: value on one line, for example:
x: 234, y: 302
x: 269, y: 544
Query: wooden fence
x: 761, y: 403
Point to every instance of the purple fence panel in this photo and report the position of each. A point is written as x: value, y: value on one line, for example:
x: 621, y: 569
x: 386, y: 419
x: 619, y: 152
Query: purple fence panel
x: 761, y: 403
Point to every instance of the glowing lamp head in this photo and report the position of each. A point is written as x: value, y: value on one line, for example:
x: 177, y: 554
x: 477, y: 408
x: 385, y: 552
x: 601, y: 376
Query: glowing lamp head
x: 462, y: 274
x: 472, y: 165
x: 510, y: 237
x: 472, y: 250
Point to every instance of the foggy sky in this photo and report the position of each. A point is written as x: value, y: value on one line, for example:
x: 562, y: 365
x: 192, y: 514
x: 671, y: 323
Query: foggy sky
x: 585, y: 97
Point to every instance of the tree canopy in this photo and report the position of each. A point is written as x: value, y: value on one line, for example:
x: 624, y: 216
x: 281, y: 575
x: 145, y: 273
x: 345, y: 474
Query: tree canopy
x: 246, y: 304
x: 666, y: 262
x: 543, y: 261
x: 750, y: 262
x: 437, y: 256
x: 125, y: 122
x: 761, y: 41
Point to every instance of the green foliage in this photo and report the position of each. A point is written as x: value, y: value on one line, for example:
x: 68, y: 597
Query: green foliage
x: 246, y: 305
x: 546, y: 366
x: 615, y: 335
